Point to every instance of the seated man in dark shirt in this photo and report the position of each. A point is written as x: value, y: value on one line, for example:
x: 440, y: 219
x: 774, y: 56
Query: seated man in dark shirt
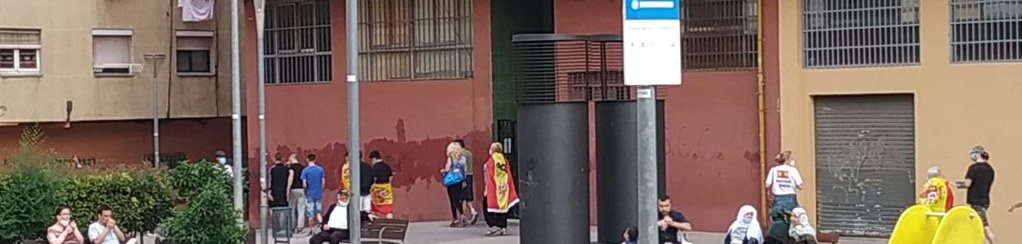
x: 335, y: 221
x: 671, y: 222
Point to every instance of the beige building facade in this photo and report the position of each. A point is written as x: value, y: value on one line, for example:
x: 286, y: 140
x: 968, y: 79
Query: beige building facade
x: 87, y: 58
x: 80, y: 67
x: 873, y: 93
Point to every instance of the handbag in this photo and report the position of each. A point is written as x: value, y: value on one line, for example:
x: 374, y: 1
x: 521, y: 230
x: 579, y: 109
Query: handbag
x: 455, y: 176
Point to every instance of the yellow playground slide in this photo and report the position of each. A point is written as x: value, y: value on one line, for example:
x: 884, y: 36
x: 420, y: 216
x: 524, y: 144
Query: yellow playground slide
x: 917, y: 225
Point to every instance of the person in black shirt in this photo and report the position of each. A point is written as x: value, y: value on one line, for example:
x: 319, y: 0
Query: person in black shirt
x: 670, y: 222
x: 279, y: 176
x: 365, y: 181
x: 296, y: 197
x: 978, y: 180
x: 277, y: 191
x: 382, y: 190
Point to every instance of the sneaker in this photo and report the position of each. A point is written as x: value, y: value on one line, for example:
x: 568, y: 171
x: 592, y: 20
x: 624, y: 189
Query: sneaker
x: 492, y: 232
x: 502, y: 232
x: 475, y: 217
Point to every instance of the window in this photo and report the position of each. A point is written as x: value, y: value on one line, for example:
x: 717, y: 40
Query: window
x: 986, y: 30
x: 19, y: 51
x: 859, y: 33
x: 719, y: 34
x: 111, y: 52
x: 193, y: 52
x: 297, y: 40
x: 415, y: 39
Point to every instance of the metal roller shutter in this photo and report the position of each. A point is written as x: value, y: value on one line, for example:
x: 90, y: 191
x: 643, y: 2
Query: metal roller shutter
x: 865, y: 162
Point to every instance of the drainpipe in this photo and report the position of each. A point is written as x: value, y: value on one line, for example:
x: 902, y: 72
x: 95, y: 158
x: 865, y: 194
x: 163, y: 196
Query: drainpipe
x: 761, y: 112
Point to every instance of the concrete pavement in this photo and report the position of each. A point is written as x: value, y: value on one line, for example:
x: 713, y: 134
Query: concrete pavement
x: 440, y: 233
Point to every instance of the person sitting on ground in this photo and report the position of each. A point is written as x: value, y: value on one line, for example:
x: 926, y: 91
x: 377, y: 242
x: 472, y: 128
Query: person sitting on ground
x: 780, y: 223
x: 745, y: 229
x: 671, y: 222
x: 801, y: 230
x: 105, y: 229
x: 64, y: 230
x: 631, y: 235
x: 937, y: 194
x: 335, y: 221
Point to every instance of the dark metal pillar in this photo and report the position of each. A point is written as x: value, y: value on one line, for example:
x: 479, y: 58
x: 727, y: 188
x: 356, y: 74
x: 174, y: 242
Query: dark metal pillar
x: 553, y: 153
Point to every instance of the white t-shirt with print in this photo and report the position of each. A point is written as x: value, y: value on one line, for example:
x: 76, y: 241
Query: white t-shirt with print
x: 783, y: 180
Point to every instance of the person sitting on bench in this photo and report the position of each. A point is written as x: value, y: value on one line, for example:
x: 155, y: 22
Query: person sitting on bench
x: 335, y: 221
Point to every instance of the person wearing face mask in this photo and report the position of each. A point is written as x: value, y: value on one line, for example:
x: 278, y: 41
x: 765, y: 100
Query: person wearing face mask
x: 64, y: 230
x: 335, y: 221
x: 221, y: 158
x: 745, y: 229
x: 978, y: 180
x: 801, y: 231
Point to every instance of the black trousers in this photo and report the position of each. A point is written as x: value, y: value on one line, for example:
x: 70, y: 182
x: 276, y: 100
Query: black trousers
x: 498, y: 220
x: 332, y: 236
x: 455, y: 195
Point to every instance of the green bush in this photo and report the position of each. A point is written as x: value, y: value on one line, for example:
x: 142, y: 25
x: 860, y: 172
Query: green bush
x: 209, y: 218
x: 190, y: 178
x: 140, y: 199
x: 29, y: 197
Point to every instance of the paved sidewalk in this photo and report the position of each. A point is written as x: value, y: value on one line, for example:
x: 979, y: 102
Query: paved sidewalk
x: 439, y: 233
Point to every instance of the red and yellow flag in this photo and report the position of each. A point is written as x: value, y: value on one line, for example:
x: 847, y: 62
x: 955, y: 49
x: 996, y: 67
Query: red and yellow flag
x: 501, y: 194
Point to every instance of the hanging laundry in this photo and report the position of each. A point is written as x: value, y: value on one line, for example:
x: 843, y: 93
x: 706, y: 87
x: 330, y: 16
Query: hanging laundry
x: 195, y: 10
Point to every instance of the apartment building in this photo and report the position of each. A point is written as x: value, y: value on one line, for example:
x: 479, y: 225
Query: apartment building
x: 432, y: 71
x: 80, y: 70
x: 873, y: 93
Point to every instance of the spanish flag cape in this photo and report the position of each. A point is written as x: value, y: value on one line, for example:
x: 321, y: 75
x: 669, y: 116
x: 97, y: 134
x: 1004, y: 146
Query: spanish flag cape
x: 346, y: 177
x: 938, y: 195
x: 500, y: 186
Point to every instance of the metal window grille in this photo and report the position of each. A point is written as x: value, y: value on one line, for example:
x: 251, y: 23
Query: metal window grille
x: 569, y: 68
x: 415, y: 39
x: 719, y: 34
x: 986, y: 30
x: 839, y: 33
x: 298, y: 41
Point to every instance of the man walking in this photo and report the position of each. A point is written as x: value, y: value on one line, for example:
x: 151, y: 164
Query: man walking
x: 312, y: 176
x: 296, y: 197
x: 467, y: 190
x: 978, y: 180
x: 278, y: 190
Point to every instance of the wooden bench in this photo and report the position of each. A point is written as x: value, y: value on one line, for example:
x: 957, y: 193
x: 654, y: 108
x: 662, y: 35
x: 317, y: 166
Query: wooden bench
x: 385, y: 231
x: 826, y: 237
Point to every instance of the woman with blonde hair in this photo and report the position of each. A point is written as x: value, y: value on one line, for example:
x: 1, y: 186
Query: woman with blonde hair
x: 784, y: 181
x: 500, y: 194
x: 453, y: 175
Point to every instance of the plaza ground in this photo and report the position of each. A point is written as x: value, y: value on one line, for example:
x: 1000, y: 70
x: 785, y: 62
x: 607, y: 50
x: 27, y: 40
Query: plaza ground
x: 439, y: 233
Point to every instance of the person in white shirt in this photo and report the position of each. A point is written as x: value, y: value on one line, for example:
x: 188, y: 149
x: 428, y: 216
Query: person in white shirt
x: 335, y: 221
x: 784, y: 181
x: 105, y: 229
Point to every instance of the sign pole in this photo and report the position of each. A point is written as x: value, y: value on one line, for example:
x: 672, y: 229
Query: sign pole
x: 651, y: 28
x: 647, y: 143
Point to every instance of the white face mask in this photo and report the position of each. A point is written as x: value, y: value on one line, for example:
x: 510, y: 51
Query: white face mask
x: 221, y: 160
x: 342, y: 204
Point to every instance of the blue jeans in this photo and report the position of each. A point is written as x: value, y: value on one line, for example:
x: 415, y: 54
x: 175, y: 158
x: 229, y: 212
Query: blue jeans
x: 787, y: 201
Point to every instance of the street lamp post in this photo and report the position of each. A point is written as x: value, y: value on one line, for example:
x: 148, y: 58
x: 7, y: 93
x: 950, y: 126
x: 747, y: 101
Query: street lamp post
x: 155, y: 61
x: 261, y: 69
